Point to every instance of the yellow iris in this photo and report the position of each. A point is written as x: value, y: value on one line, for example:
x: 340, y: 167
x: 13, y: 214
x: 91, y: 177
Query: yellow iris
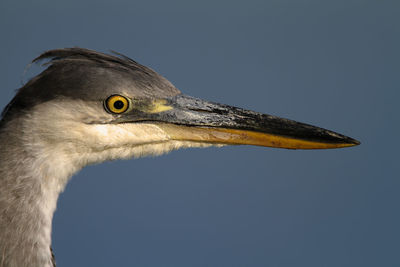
x: 117, y: 104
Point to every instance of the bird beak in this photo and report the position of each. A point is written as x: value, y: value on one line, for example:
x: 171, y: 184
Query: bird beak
x: 191, y: 119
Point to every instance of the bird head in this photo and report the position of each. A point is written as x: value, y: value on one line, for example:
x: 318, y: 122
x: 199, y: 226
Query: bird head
x: 99, y: 107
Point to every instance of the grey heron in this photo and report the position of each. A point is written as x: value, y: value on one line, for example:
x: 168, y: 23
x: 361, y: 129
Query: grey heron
x: 87, y: 107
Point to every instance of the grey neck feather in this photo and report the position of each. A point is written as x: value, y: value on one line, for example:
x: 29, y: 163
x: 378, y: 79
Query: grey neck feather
x: 29, y: 187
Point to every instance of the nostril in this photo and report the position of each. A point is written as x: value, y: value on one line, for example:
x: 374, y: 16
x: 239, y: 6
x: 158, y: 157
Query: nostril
x: 201, y: 110
x: 211, y: 111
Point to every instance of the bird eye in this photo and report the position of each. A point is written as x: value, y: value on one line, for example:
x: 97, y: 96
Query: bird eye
x: 117, y: 104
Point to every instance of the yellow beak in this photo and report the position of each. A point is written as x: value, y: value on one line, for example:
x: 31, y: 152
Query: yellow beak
x: 245, y: 137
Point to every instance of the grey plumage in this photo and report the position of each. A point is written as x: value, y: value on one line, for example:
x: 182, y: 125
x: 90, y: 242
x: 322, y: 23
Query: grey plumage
x: 88, y: 75
x: 72, y: 74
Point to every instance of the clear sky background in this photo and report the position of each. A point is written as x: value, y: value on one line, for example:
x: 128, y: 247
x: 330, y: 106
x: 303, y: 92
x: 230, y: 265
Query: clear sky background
x: 335, y: 64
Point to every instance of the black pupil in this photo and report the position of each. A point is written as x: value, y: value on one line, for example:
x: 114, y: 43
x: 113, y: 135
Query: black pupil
x: 118, y: 104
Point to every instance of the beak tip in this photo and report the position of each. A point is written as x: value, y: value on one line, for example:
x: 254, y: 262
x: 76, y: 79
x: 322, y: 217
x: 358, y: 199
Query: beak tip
x: 346, y: 141
x: 352, y: 142
x: 356, y: 142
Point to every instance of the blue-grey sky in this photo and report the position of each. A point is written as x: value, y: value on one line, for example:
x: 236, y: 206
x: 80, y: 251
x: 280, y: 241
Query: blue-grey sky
x: 334, y: 64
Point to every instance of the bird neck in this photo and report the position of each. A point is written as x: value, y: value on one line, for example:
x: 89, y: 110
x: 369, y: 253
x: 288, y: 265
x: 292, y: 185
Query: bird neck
x: 31, y: 179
